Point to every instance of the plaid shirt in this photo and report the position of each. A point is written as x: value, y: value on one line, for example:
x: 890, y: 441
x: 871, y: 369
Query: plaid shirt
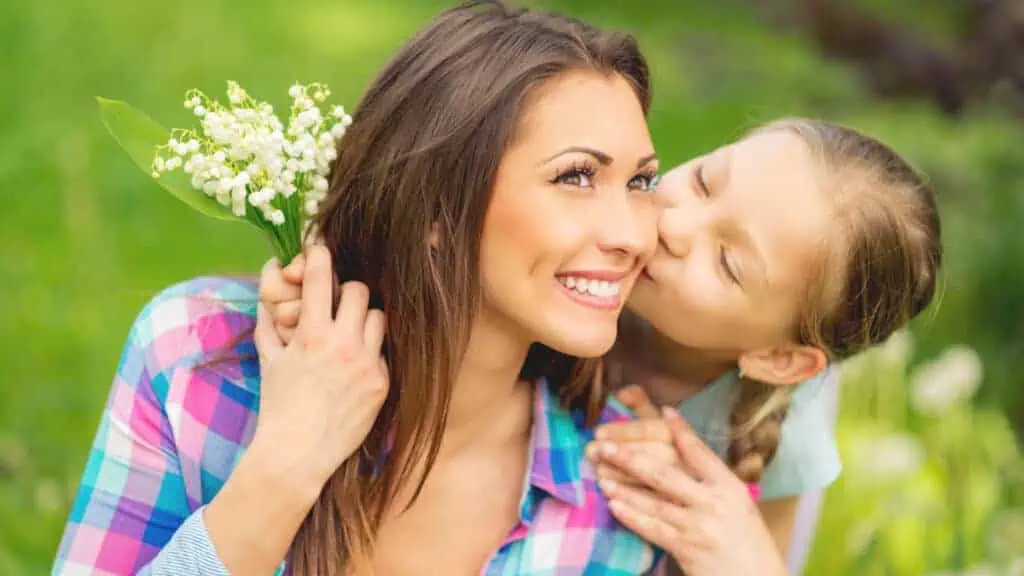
x: 171, y: 435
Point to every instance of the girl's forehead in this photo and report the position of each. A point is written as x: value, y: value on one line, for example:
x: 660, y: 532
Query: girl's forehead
x: 776, y: 193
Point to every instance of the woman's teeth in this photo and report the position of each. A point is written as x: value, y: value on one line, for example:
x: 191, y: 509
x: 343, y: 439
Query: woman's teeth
x: 599, y: 288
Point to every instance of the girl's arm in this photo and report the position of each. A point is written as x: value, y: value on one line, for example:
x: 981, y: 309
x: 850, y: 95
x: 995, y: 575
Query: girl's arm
x: 780, y: 518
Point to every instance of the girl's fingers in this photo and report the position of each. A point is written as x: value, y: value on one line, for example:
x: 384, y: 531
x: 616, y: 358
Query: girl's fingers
x: 694, y: 453
x: 635, y: 398
x: 635, y: 431
x: 682, y: 520
x: 666, y: 479
x: 650, y: 528
x: 621, y: 478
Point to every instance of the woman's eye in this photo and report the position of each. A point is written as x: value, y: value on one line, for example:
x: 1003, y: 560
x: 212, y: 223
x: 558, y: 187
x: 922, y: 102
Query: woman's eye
x: 580, y: 176
x: 644, y: 182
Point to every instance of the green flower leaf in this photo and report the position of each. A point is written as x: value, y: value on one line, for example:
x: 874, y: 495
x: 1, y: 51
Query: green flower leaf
x: 139, y: 136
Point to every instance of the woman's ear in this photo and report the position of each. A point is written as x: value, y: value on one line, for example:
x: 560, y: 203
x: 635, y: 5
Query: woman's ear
x: 784, y: 366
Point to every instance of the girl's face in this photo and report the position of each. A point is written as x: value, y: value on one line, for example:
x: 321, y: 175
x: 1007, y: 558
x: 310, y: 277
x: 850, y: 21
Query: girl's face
x: 744, y: 227
x: 572, y: 219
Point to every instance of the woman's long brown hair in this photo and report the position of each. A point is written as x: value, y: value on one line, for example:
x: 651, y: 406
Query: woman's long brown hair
x: 419, y: 159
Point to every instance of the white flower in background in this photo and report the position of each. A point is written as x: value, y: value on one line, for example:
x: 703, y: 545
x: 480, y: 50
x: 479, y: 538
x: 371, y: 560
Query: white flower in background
x: 950, y: 379
x: 887, y: 458
x: 1017, y: 567
x: 898, y: 347
x: 247, y: 160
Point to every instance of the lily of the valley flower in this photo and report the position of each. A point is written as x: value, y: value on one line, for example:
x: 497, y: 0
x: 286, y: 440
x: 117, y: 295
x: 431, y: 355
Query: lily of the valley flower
x: 245, y: 158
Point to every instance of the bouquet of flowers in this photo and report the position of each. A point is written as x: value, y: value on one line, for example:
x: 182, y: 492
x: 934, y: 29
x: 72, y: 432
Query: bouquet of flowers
x: 242, y: 163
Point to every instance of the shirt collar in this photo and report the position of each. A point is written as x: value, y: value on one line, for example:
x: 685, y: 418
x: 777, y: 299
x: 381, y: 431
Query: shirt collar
x: 556, y: 446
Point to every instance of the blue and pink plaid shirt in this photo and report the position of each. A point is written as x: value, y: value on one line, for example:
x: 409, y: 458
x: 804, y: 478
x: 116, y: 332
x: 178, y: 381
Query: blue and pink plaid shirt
x: 171, y: 434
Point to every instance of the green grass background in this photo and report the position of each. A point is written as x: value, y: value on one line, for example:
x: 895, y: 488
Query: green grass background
x: 87, y: 238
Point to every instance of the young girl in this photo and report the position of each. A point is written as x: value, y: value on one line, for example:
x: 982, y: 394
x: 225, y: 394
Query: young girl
x: 799, y: 245
x: 802, y: 244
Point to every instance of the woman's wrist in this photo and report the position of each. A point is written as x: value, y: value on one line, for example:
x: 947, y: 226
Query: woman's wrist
x: 254, y: 518
x: 286, y: 470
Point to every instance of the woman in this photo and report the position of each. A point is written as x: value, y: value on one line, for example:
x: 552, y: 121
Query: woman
x: 469, y: 157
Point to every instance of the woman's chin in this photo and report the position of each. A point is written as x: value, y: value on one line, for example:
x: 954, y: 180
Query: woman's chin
x: 582, y: 343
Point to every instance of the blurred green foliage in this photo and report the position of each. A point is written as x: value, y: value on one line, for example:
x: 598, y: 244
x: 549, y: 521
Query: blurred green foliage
x: 931, y: 484
x: 88, y: 239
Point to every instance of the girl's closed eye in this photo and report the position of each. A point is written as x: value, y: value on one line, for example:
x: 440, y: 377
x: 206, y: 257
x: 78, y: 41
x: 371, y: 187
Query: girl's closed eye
x: 727, y: 266
x: 700, y: 183
x: 578, y: 175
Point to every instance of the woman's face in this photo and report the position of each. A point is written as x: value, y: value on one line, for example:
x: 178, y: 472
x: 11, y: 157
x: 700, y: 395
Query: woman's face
x: 744, y: 226
x: 572, y: 219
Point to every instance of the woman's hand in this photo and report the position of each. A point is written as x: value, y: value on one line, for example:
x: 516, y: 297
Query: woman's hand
x: 319, y: 396
x: 281, y: 295
x: 322, y: 391
x: 698, y: 512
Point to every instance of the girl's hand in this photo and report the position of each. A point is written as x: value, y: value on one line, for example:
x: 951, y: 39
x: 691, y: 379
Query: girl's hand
x: 700, y: 512
x: 649, y: 434
x: 321, y: 392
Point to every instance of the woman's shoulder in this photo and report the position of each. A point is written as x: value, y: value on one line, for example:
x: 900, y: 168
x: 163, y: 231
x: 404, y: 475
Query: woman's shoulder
x: 190, y: 335
x: 203, y: 296
x: 192, y: 319
x: 190, y: 363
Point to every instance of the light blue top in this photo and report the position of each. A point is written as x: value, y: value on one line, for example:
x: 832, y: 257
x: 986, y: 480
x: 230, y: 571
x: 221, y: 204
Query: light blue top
x: 807, y: 458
